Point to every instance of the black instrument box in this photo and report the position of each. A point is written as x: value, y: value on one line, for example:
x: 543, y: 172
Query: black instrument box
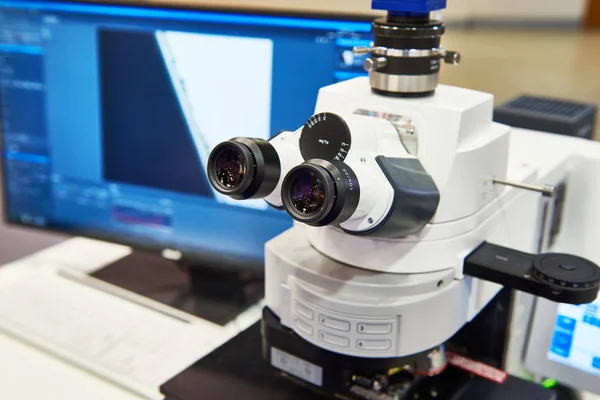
x: 549, y: 115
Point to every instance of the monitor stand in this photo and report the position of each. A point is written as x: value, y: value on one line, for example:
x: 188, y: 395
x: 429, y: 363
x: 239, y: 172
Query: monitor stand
x: 216, y: 294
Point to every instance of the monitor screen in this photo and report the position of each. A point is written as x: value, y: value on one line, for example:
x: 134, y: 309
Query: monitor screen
x: 576, y: 337
x: 109, y: 114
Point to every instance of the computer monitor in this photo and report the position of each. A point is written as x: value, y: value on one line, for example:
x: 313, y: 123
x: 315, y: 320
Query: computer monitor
x: 109, y: 114
x: 564, y: 344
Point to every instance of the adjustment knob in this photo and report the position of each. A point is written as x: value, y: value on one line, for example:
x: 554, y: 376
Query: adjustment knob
x: 565, y: 270
x: 373, y: 64
x: 452, y: 57
x: 562, y: 278
x: 325, y: 136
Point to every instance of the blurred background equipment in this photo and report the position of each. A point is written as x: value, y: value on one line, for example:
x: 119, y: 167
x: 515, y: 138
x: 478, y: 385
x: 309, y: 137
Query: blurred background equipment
x: 548, y: 115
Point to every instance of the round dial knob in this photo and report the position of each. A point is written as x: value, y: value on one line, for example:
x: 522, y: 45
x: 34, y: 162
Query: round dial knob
x: 566, y: 270
x: 325, y: 136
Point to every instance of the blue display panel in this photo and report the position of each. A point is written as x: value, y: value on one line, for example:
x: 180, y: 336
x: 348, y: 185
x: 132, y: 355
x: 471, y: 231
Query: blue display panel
x: 109, y: 113
x: 576, y: 338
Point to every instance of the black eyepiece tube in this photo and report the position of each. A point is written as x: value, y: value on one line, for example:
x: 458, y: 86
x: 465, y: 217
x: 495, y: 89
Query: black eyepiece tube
x: 320, y: 192
x: 244, y: 168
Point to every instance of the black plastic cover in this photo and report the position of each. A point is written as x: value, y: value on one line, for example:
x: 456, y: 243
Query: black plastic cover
x: 416, y: 198
x: 549, y: 115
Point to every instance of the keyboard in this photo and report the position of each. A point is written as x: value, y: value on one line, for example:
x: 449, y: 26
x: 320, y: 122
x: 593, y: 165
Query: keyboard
x: 136, y: 344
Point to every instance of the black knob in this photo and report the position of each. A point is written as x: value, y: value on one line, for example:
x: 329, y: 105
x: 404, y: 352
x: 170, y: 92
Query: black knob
x: 325, y: 136
x: 562, y: 278
x: 566, y: 270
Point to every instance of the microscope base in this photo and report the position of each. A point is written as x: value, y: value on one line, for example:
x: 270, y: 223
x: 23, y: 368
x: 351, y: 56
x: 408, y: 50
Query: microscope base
x: 328, y: 372
x: 236, y: 370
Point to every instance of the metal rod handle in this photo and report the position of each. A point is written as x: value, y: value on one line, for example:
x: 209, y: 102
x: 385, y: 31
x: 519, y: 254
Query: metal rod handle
x: 545, y: 190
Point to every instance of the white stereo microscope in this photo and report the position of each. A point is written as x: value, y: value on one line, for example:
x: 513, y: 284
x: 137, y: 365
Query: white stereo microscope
x: 412, y: 209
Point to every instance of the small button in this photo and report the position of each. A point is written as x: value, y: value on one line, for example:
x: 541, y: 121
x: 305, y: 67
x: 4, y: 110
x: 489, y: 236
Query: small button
x: 334, y: 340
x: 333, y: 323
x: 305, y: 311
x: 567, y: 267
x: 374, y: 344
x: 375, y: 329
x: 304, y: 327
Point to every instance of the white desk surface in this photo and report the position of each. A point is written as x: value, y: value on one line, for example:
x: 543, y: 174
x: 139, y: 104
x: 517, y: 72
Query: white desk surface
x: 28, y: 373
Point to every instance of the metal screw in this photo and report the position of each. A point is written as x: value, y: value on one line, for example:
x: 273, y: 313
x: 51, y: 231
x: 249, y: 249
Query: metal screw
x: 545, y: 190
x: 371, y: 64
x: 452, y: 57
x: 361, y: 50
x: 370, y: 220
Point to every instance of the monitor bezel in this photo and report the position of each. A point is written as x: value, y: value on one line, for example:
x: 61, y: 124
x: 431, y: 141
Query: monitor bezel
x: 538, y: 345
x: 187, y: 256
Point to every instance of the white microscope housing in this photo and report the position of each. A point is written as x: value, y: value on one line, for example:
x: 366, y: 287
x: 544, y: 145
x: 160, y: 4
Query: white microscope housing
x: 411, y: 214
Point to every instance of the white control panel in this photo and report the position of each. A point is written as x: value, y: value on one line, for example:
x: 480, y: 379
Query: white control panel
x: 361, y: 336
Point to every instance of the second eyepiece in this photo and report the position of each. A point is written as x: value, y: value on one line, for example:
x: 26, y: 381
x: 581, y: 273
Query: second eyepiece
x: 320, y: 192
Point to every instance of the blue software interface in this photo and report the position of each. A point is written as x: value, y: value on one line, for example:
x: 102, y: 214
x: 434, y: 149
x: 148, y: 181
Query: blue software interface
x: 109, y: 113
x: 576, y: 337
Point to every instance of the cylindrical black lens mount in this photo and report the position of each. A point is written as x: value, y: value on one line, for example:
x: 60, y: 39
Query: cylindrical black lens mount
x: 244, y: 168
x: 320, y: 192
x: 408, y: 33
x: 406, y: 55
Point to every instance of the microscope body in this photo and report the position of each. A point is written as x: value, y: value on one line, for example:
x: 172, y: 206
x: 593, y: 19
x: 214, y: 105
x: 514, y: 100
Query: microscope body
x: 377, y: 309
x: 411, y: 215
x: 366, y: 304
x: 458, y: 147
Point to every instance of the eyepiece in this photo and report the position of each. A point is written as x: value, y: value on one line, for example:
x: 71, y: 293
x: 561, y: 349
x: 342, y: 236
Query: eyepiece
x: 231, y: 166
x: 308, y: 193
x: 244, y: 168
x: 320, y: 192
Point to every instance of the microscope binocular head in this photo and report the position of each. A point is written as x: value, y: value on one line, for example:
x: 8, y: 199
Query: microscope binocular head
x: 332, y: 172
